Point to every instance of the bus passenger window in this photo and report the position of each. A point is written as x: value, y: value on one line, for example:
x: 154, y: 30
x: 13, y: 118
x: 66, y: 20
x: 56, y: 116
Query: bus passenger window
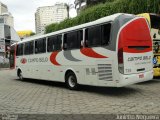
x: 19, y: 51
x: 65, y: 42
x: 51, y: 43
x: 58, y: 42
x: 40, y: 46
x: 31, y: 45
x: 26, y: 48
x: 86, y: 38
x: 54, y: 43
x: 106, y: 29
x: 36, y: 47
x: 93, y: 36
x: 72, y: 40
x: 80, y: 37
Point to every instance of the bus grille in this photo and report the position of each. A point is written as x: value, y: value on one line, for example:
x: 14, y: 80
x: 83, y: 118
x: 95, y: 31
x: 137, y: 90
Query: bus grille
x: 105, y: 72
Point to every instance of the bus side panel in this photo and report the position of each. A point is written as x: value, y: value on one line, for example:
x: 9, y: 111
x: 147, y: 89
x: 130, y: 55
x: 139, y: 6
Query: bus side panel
x: 86, y: 67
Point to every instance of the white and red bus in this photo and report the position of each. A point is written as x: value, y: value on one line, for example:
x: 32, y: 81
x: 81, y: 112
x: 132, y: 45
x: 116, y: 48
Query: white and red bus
x: 113, y: 51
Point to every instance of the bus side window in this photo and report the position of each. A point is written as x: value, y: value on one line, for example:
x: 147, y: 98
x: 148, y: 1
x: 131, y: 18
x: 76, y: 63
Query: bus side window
x: 26, y: 48
x: 40, y: 46
x: 80, y: 37
x: 106, y: 29
x: 73, y: 39
x: 54, y: 43
x: 36, y: 47
x: 31, y: 45
x: 86, y: 38
x: 58, y: 42
x: 51, y: 43
x: 19, y: 50
x: 65, y: 42
x: 93, y: 36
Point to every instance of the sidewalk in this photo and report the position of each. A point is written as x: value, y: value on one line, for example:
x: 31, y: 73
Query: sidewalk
x: 5, y: 69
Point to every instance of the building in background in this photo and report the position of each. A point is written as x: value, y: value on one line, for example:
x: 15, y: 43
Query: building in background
x: 25, y: 33
x: 3, y: 8
x: 49, y: 14
x: 7, y: 18
x: 8, y: 36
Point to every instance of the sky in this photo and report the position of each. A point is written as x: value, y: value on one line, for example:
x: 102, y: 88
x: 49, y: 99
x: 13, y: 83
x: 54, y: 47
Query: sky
x: 23, y: 11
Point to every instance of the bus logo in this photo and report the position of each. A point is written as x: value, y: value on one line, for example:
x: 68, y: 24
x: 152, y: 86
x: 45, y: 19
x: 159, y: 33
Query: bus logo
x: 141, y: 76
x: 23, y: 60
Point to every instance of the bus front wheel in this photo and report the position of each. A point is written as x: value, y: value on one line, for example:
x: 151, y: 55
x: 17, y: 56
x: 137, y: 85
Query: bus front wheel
x: 71, y: 81
x: 20, y: 75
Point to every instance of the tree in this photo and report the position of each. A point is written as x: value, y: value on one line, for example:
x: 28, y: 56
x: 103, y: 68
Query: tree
x: 68, y: 6
x: 32, y: 33
x: 115, y: 6
x: 79, y: 2
x: 88, y: 3
x: 93, y: 2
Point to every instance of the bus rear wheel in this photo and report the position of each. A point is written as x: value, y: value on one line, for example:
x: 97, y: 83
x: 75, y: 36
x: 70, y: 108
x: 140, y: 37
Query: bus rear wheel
x: 71, y: 81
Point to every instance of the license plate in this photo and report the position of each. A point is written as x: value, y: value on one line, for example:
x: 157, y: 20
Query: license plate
x: 141, y: 76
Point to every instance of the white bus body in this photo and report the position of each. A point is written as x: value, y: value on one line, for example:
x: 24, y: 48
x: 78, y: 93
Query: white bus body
x: 121, y: 56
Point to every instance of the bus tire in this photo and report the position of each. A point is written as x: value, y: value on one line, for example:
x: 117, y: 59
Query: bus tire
x: 71, y: 81
x: 20, y: 75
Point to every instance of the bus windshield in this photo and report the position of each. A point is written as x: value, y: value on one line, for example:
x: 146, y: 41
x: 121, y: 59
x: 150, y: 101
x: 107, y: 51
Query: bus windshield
x: 155, y: 21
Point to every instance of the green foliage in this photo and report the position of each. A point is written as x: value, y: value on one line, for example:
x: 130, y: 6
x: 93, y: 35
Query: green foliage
x: 32, y: 34
x: 108, y: 8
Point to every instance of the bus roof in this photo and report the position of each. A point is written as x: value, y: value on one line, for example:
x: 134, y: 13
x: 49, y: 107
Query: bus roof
x: 98, y: 21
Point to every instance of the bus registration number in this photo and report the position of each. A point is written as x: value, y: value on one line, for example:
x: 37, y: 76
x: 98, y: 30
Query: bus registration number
x: 141, y: 76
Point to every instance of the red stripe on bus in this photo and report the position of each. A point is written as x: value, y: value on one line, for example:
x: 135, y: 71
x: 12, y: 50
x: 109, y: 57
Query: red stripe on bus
x: 91, y: 53
x: 23, y: 60
x: 53, y: 58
